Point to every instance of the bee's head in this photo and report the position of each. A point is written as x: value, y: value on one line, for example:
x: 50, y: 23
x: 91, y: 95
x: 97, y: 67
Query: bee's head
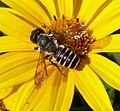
x: 46, y: 42
x: 35, y: 33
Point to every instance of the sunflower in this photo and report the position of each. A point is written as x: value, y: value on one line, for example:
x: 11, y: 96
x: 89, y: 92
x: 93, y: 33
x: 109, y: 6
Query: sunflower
x: 84, y: 25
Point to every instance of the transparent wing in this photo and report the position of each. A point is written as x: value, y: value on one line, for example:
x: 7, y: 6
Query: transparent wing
x: 41, y: 72
x: 63, y: 70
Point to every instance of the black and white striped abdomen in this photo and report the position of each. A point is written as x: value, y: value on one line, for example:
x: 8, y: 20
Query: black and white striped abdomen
x: 66, y: 57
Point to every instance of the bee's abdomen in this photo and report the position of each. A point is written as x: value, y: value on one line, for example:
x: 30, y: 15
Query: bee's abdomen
x: 67, y: 58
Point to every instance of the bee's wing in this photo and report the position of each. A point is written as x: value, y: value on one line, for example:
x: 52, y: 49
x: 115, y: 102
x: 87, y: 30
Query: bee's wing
x: 63, y: 70
x: 41, y: 72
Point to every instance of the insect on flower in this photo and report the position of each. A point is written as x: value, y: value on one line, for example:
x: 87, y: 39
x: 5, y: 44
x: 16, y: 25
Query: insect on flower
x: 70, y: 25
x: 49, y: 47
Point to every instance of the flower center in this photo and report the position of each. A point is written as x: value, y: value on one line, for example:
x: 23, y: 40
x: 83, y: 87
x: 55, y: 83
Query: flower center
x: 2, y: 106
x: 72, y: 33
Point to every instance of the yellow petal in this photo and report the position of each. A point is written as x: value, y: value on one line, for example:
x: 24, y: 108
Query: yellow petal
x: 8, y: 43
x: 60, y: 94
x: 65, y: 94
x: 25, y: 97
x: 50, y: 6
x: 68, y: 8
x: 5, y: 92
x: 53, y: 94
x: 106, y: 69
x: 34, y: 11
x: 19, y: 15
x: 99, y: 8
x: 112, y: 44
x: 92, y: 89
x: 68, y: 96
x: 107, y: 10
x: 61, y: 6
x: 17, y: 68
x: 76, y: 7
x: 83, y: 9
x: 14, y: 26
x: 45, y: 95
x: 107, y: 21
x: 57, y: 94
x: 88, y: 9
x: 9, y: 101
x: 54, y: 97
x: 5, y: 55
x: 22, y: 94
x: 49, y: 99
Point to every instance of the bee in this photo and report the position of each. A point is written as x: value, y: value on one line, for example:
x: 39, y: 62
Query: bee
x: 49, y: 46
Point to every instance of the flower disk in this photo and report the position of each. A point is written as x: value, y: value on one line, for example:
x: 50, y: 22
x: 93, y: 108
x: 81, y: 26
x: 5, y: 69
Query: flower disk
x: 84, y: 27
x: 72, y: 33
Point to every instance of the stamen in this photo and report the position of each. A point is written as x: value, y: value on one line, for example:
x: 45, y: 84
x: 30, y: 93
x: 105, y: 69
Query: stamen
x: 73, y: 33
x: 77, y: 20
x: 55, y: 18
x: 63, y: 16
x: 44, y: 26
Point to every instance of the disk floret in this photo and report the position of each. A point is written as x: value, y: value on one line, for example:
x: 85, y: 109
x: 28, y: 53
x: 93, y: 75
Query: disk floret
x: 73, y: 34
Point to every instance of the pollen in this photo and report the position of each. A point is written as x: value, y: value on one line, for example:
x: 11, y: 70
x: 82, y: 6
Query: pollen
x: 71, y: 33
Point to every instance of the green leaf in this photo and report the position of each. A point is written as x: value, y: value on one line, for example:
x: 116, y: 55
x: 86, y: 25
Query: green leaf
x: 3, y: 4
x: 115, y: 57
x: 117, y: 107
x: 110, y: 91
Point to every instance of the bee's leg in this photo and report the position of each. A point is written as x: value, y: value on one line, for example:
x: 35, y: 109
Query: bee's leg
x: 50, y: 59
x: 47, y: 57
x: 37, y: 48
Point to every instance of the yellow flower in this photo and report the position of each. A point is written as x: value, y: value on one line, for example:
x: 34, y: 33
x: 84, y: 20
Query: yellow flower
x: 87, y: 25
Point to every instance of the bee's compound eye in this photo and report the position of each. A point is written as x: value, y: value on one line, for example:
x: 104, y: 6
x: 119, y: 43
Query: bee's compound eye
x: 35, y: 33
x: 44, y: 41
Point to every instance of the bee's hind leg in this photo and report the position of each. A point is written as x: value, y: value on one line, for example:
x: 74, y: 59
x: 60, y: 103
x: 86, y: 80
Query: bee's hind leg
x: 60, y: 68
